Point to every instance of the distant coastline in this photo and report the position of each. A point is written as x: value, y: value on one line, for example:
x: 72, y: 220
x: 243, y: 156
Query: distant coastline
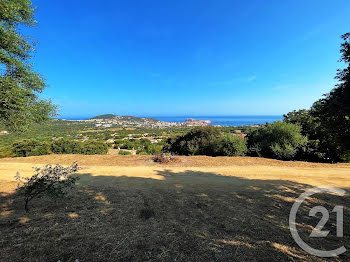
x: 239, y: 120
x: 235, y: 120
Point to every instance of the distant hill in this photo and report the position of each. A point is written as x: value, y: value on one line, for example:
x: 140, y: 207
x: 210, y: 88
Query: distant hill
x: 105, y: 116
x: 125, y: 118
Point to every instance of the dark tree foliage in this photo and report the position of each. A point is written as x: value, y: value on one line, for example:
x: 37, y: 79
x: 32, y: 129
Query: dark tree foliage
x: 314, y: 150
x: 30, y: 147
x: 124, y: 153
x: 94, y: 148
x: 198, y: 141
x: 327, y: 123
x: 20, y: 105
x: 66, y: 146
x: 309, y: 124
x: 278, y: 140
x: 229, y: 145
x: 50, y: 181
x: 206, y: 140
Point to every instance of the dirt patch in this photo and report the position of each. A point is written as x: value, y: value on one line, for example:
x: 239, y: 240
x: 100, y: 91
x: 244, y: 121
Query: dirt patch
x: 185, y: 216
x: 186, y: 161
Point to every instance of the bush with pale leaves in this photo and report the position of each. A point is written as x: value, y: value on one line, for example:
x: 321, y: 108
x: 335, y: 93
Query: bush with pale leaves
x: 52, y: 181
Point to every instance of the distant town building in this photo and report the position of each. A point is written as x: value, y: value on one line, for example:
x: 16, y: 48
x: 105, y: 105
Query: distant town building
x: 195, y: 122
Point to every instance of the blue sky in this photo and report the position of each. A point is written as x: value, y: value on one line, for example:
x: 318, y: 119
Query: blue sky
x: 156, y: 58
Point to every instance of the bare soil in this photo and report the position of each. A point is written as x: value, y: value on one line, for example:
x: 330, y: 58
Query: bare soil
x: 185, y: 161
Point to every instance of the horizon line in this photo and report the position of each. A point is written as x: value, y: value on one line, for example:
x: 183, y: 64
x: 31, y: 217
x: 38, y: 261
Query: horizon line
x: 187, y: 115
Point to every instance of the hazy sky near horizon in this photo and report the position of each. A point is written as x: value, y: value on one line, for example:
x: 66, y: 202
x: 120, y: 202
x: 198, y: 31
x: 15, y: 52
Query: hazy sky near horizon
x: 157, y: 58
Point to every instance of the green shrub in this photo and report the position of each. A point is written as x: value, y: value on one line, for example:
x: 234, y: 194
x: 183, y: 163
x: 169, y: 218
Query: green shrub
x: 285, y: 151
x: 94, y: 148
x: 208, y: 141
x: 29, y: 147
x: 229, y: 145
x: 124, y: 153
x: 312, y: 151
x: 198, y: 141
x: 6, y: 152
x: 315, y: 150
x: 278, y: 140
x: 142, y: 153
x: 65, y: 146
x: 153, y: 149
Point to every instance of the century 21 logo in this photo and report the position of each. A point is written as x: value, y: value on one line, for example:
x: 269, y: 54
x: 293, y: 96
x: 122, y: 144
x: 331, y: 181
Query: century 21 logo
x: 317, y: 231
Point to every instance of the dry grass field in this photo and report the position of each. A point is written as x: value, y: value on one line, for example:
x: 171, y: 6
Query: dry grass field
x: 127, y: 208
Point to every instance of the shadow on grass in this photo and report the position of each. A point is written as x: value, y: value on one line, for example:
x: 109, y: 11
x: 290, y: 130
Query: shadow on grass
x: 185, y: 216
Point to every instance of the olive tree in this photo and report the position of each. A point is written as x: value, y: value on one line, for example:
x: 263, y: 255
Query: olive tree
x: 278, y: 140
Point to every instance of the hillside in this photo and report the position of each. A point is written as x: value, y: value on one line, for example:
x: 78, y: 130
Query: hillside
x: 124, y: 118
x: 105, y: 116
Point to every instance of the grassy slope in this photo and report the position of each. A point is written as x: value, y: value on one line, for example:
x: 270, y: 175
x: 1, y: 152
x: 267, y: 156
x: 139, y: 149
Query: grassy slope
x: 201, y: 209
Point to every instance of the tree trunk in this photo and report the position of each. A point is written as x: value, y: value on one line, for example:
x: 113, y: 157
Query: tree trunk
x: 26, y: 204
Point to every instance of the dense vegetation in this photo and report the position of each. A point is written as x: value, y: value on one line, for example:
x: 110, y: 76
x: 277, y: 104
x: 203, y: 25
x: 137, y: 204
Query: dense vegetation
x: 206, y: 140
x: 19, y: 84
x: 79, y: 130
x: 56, y: 132
x: 124, y: 153
x: 31, y: 147
x: 65, y: 146
x: 278, y: 140
x: 142, y: 145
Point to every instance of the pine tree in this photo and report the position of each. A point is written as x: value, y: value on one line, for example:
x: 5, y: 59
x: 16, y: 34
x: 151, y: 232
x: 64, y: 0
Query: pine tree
x: 20, y: 85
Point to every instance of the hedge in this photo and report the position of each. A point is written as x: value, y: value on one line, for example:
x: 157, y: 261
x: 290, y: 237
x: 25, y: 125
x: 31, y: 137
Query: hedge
x: 31, y: 147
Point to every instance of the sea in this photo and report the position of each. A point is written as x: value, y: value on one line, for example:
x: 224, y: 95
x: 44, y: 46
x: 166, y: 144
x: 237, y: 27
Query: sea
x: 226, y: 120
